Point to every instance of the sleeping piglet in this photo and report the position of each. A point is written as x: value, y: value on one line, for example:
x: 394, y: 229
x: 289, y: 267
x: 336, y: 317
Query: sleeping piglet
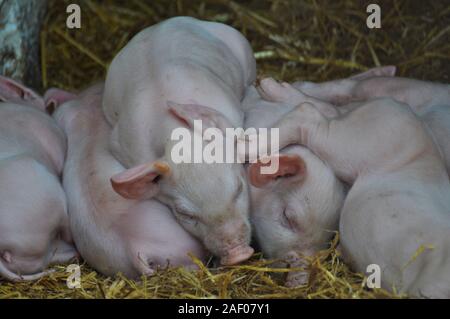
x: 113, y: 234
x: 397, y: 212
x: 295, y: 211
x: 167, y: 76
x: 34, y: 228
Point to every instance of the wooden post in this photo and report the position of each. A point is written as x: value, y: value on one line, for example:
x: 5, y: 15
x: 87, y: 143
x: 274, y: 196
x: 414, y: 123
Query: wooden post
x: 20, y: 25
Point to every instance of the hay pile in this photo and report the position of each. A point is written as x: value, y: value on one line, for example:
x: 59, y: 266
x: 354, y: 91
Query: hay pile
x: 254, y: 279
x: 292, y: 40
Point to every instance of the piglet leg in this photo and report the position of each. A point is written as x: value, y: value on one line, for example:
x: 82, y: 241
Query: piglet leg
x: 273, y: 91
x: 419, y: 95
x: 347, y: 142
x: 341, y: 91
x: 11, y: 276
x: 64, y: 253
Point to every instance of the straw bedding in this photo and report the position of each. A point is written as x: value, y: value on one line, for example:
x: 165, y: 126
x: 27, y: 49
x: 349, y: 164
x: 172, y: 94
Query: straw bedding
x: 293, y: 40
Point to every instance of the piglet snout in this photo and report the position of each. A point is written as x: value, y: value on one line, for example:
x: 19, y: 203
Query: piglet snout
x: 297, y: 278
x: 231, y: 242
x: 236, y: 255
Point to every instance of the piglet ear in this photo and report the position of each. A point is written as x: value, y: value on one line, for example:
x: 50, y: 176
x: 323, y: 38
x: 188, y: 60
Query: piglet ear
x: 187, y: 113
x: 13, y: 91
x: 289, y: 166
x: 55, y: 97
x: 140, y: 182
x: 388, y: 70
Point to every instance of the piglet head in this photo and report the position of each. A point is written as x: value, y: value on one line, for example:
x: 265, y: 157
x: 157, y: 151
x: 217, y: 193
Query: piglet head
x: 15, y: 92
x: 210, y: 200
x: 32, y: 218
x: 296, y: 209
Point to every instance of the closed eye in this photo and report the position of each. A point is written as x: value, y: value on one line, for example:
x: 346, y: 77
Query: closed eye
x: 238, y: 191
x: 185, y: 214
x: 286, y: 220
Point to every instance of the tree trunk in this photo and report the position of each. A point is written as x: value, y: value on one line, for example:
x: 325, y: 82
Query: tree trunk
x: 20, y: 25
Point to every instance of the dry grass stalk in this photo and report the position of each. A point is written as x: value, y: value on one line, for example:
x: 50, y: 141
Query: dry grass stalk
x: 293, y: 40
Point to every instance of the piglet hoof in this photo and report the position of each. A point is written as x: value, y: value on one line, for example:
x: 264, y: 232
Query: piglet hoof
x: 273, y: 91
x: 145, y: 266
x: 297, y: 278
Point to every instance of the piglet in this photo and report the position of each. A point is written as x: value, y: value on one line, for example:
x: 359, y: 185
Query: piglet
x: 34, y: 228
x: 295, y: 211
x: 429, y: 100
x: 166, y: 77
x: 113, y: 234
x: 397, y: 212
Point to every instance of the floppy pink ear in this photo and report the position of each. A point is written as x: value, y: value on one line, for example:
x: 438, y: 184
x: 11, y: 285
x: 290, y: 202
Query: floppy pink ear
x: 187, y: 113
x: 55, y: 97
x: 388, y: 70
x: 289, y: 166
x: 140, y: 182
x: 13, y: 91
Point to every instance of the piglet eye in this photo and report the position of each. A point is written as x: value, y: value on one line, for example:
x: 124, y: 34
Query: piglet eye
x: 185, y: 214
x: 286, y: 219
